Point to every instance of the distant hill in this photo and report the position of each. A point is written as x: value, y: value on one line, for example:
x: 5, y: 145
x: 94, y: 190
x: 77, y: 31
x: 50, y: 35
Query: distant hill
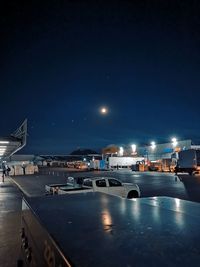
x: 83, y: 152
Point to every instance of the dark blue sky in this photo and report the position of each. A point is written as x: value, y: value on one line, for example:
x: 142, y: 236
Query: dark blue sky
x: 62, y: 60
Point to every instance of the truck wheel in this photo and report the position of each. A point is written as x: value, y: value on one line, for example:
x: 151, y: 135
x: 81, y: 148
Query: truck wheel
x: 132, y: 194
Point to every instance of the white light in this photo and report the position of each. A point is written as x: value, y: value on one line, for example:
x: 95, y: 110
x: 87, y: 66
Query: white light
x: 121, y: 151
x: 177, y: 202
x: 153, y: 145
x: 4, y: 142
x: 174, y: 142
x: 133, y: 146
x: 3, y: 147
x: 104, y: 110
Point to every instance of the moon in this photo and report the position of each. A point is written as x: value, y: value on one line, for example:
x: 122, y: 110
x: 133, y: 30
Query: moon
x: 104, y: 110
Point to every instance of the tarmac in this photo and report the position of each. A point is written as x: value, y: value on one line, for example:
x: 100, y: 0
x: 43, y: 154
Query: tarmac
x: 166, y: 237
x: 10, y: 220
x: 11, y: 199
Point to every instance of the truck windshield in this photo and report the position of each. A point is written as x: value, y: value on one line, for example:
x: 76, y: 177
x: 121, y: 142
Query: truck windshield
x: 114, y: 182
x: 101, y: 183
x: 87, y: 183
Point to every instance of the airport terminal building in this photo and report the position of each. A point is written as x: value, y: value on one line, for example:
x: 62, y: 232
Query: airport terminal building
x: 165, y: 150
x: 162, y: 156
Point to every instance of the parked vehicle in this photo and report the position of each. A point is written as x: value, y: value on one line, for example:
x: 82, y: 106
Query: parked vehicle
x: 106, y: 185
x: 188, y: 161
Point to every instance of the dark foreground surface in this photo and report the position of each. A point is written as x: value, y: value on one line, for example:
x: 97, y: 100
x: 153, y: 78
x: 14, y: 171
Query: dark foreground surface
x: 103, y: 230
x: 150, y: 183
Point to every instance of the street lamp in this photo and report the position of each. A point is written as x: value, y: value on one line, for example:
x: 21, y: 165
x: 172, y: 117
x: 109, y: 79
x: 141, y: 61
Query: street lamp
x: 133, y: 146
x: 174, y: 142
x: 121, y: 151
x: 153, y: 145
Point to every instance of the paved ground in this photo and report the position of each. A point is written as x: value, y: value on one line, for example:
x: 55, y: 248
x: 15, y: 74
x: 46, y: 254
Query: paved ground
x: 10, y: 214
x: 151, y: 184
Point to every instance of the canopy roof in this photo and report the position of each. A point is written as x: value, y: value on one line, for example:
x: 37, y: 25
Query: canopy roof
x: 16, y: 141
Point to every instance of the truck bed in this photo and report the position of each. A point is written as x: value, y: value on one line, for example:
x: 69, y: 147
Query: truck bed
x: 50, y: 188
x: 72, y: 190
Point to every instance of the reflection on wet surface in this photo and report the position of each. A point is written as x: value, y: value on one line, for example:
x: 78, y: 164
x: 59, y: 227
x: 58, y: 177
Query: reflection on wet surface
x: 107, y: 221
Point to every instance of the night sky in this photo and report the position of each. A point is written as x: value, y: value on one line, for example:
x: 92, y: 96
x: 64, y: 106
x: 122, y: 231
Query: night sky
x: 60, y: 61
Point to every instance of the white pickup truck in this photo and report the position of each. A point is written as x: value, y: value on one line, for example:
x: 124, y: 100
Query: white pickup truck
x: 106, y: 185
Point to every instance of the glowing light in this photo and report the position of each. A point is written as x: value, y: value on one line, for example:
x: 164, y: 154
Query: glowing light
x: 121, y: 151
x: 133, y: 146
x: 104, y: 110
x: 4, y: 142
x: 153, y: 145
x: 174, y: 142
x: 2, y: 151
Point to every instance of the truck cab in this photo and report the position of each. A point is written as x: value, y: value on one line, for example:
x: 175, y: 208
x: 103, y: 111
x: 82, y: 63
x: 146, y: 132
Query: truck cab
x: 113, y: 186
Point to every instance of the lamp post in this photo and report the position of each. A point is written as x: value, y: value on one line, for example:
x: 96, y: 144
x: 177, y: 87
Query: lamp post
x: 133, y: 146
x: 153, y: 147
x: 146, y: 155
x: 174, y: 143
x: 121, y: 151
